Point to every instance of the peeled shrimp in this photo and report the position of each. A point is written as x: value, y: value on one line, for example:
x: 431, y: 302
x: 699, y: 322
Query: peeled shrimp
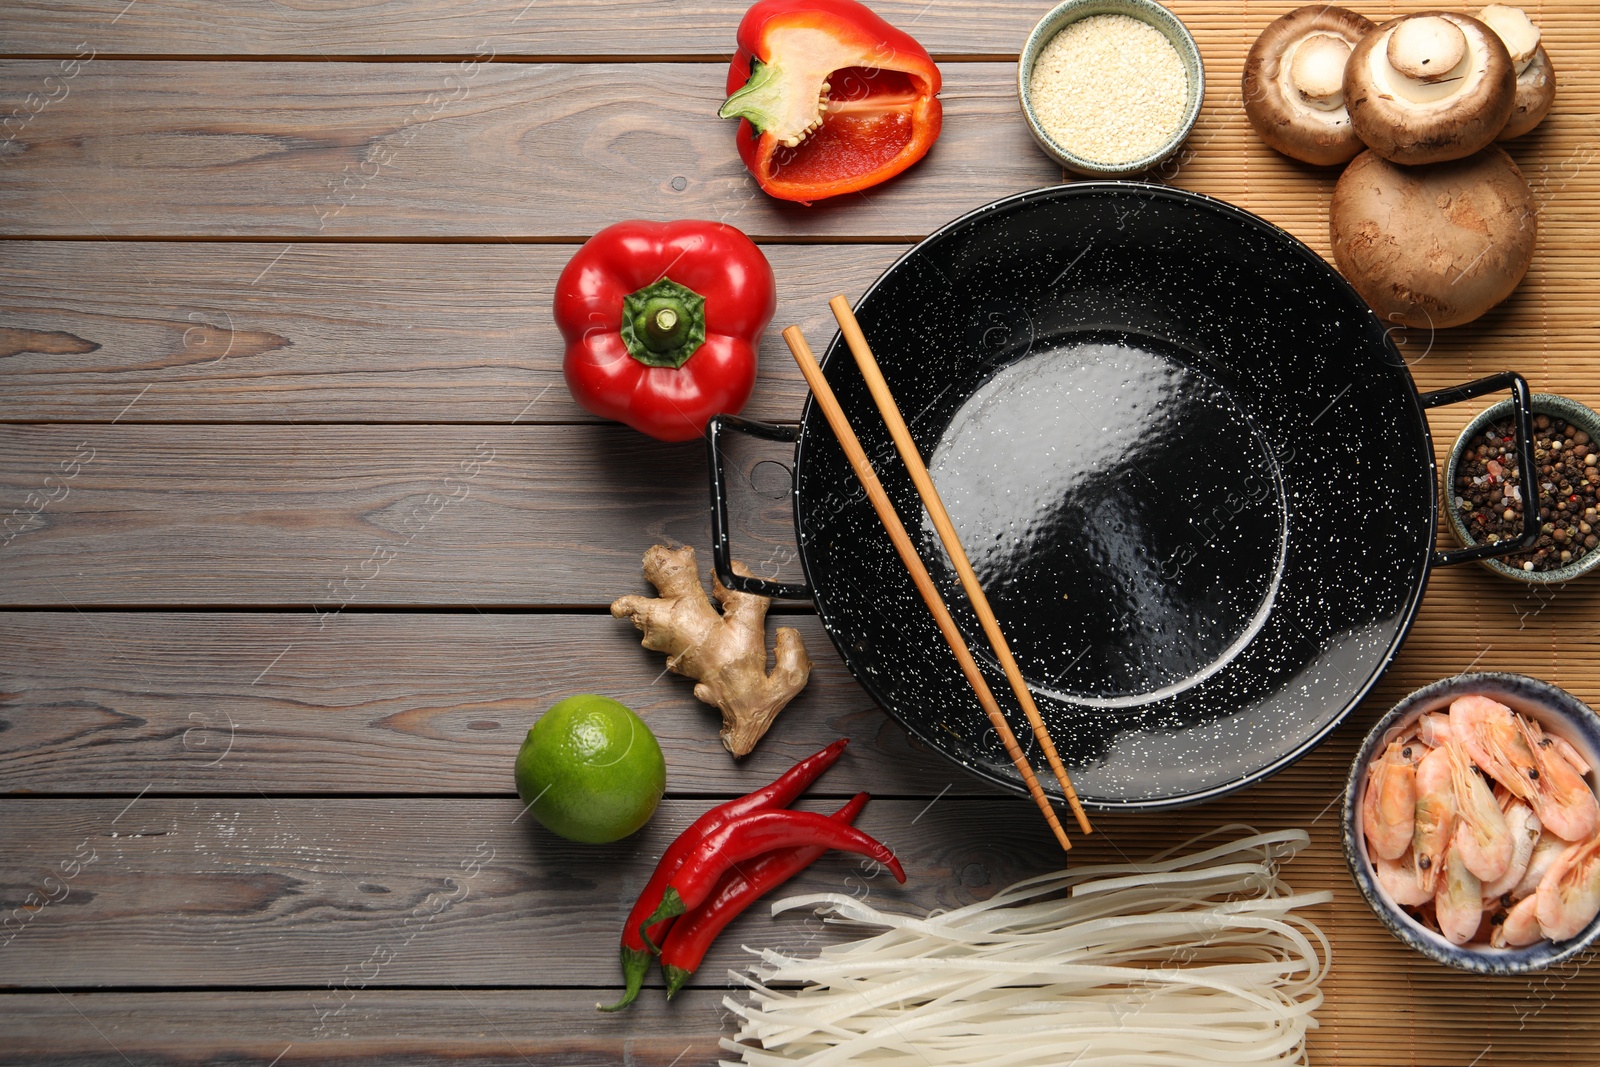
x: 1388, y: 808
x: 1482, y: 835
x: 1565, y: 803
x: 1520, y: 926
x: 1546, y: 851
x: 1459, y: 902
x: 1569, y: 897
x: 1399, y: 880
x: 1523, y: 827
x: 1435, y: 816
x: 1492, y: 736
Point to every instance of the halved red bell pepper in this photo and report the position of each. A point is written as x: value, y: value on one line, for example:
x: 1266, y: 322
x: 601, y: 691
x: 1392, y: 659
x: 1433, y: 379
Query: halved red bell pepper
x: 662, y: 320
x: 831, y: 98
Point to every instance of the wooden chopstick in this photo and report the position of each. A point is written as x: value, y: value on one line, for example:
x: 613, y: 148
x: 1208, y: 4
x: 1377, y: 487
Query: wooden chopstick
x: 907, y: 448
x: 919, y: 572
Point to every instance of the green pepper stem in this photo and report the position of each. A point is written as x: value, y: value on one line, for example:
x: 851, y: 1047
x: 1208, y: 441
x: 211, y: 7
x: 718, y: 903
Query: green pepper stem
x: 663, y: 324
x: 761, y: 99
x: 671, y: 906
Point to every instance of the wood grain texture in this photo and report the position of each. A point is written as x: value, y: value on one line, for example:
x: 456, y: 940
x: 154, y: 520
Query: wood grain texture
x: 496, y: 151
x: 378, y: 1028
x: 106, y: 702
x: 275, y: 892
x: 342, y: 516
x: 462, y: 333
x: 354, y: 898
x: 948, y: 28
x: 337, y: 516
x: 95, y: 702
x: 330, y: 332
x: 560, y: 1028
x: 331, y: 149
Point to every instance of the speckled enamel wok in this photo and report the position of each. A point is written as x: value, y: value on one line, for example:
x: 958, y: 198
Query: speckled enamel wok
x: 1187, y: 461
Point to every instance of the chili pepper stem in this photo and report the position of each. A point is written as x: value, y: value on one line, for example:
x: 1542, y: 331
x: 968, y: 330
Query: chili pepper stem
x: 671, y: 906
x: 634, y: 965
x: 676, y: 976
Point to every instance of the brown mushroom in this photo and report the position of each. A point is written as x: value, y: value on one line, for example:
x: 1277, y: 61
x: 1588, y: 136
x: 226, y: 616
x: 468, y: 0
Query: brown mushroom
x: 1294, y: 84
x: 1429, y: 87
x: 1536, y: 80
x: 1433, y: 245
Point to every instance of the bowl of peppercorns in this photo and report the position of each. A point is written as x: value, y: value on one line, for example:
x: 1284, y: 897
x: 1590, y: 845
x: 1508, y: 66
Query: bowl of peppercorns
x: 1484, y: 502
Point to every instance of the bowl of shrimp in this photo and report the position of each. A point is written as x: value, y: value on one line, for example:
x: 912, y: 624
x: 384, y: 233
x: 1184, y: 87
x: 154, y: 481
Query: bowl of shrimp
x: 1471, y: 823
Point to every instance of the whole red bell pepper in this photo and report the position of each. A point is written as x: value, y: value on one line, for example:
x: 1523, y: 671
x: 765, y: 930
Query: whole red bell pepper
x: 831, y: 98
x: 661, y: 321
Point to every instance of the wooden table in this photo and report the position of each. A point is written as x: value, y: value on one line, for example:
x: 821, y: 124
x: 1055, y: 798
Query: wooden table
x: 274, y: 271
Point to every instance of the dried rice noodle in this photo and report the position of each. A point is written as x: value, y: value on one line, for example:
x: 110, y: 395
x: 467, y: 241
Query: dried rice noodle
x: 1180, y: 960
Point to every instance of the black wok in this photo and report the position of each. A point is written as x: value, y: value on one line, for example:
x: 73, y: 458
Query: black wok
x: 1189, y: 465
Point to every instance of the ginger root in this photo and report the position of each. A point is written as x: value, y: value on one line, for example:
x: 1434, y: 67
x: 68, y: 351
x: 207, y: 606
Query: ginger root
x: 726, y: 653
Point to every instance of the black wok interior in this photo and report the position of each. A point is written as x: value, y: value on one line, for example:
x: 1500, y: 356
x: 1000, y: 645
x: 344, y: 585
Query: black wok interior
x: 1189, y: 467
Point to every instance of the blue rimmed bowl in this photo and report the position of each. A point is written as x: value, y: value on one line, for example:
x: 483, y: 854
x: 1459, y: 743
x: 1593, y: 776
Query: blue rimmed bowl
x: 1559, y: 712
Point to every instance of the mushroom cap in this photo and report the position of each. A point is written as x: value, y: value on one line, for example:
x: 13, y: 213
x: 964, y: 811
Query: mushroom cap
x: 1433, y: 245
x: 1536, y: 91
x: 1438, y: 115
x: 1287, y: 95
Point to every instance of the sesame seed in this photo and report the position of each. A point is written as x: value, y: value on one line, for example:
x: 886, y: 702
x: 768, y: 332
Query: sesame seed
x: 1109, y: 88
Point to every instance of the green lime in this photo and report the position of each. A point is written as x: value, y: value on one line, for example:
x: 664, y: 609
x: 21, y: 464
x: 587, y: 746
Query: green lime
x: 591, y: 770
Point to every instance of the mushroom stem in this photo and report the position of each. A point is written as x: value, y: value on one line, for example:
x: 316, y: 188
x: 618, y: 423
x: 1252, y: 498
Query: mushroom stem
x: 1427, y: 49
x: 1515, y: 29
x: 1317, y: 71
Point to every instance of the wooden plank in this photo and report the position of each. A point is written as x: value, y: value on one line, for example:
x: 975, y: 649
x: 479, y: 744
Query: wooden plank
x: 98, y: 703
x: 330, y: 332
x: 335, y: 516
x: 566, y: 27
x: 377, y: 1028
x: 354, y: 516
x: 320, y: 150
x: 492, y: 151
x: 462, y: 333
x: 357, y: 900
x: 510, y: 27
x: 376, y: 703
x: 330, y: 149
x: 175, y: 893
x: 560, y: 1028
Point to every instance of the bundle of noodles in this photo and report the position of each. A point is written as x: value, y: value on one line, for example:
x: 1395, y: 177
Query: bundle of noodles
x: 1193, y: 959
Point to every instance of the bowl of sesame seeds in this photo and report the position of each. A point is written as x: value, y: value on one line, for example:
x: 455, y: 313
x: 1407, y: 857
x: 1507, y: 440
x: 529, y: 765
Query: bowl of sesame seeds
x: 1110, y: 88
x: 1483, y: 478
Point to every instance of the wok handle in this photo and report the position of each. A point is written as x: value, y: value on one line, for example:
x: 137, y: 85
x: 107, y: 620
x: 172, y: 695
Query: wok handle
x: 1523, y: 409
x: 721, y: 553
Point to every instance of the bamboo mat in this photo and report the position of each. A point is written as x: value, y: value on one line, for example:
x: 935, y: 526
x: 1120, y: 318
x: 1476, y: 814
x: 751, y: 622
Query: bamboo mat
x: 1385, y: 1004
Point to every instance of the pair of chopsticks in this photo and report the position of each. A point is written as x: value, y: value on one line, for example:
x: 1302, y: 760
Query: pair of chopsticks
x: 907, y: 448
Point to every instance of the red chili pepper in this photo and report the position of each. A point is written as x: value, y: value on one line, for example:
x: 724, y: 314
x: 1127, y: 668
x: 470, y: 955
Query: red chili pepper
x: 781, y: 793
x: 661, y: 321
x: 746, y: 838
x: 831, y: 98
x: 685, y: 946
